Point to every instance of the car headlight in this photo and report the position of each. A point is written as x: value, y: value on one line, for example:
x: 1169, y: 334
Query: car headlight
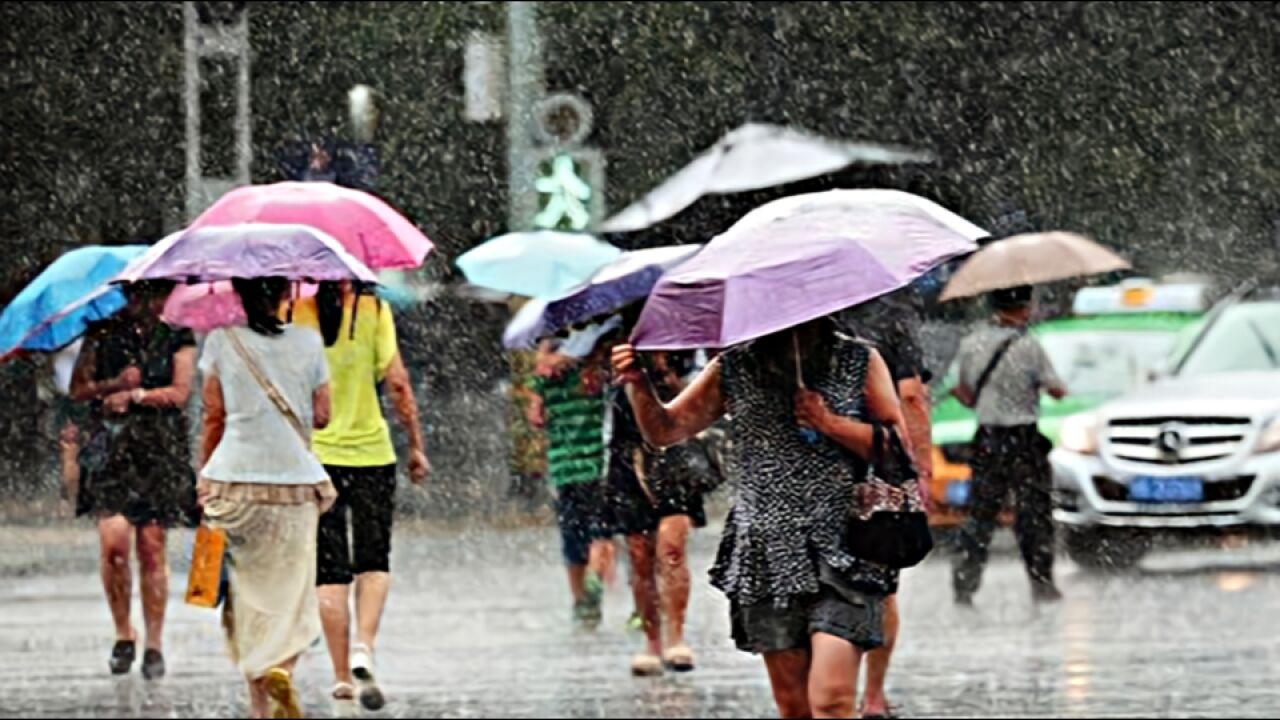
x: 1269, y: 440
x: 1079, y: 434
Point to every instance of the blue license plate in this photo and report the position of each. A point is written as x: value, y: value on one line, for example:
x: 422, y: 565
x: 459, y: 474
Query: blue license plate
x: 958, y: 493
x: 1177, y: 489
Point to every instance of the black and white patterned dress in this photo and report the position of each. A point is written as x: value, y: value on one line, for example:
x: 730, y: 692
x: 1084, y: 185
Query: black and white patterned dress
x: 791, y: 497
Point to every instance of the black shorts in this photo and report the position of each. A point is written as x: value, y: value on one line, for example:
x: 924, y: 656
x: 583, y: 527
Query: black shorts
x: 367, y: 494
x: 854, y: 617
x: 669, y: 489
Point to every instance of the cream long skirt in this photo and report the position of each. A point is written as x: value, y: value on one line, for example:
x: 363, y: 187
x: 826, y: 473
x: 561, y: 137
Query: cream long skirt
x: 271, y: 613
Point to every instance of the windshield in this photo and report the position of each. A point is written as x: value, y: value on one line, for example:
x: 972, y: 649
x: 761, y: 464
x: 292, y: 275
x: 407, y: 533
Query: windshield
x: 1106, y: 362
x: 1245, y: 337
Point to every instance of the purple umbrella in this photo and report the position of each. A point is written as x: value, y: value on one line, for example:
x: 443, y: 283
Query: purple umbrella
x: 629, y: 278
x: 616, y: 285
x: 816, y: 256
x: 212, y: 254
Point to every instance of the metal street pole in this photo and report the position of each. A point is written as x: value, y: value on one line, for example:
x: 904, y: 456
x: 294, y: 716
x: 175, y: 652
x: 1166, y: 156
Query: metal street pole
x: 524, y: 74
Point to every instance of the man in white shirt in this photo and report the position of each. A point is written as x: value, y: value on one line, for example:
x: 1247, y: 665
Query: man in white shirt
x: 1003, y: 371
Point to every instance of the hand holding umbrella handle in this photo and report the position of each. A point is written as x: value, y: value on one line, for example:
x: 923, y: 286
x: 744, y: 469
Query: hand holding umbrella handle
x: 807, y: 434
x: 628, y: 367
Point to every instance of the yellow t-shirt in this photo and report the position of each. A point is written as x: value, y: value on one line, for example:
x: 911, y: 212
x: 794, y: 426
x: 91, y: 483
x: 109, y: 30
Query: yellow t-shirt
x: 357, y: 435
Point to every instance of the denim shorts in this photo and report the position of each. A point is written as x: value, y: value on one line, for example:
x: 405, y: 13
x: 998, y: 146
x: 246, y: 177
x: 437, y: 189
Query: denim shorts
x: 583, y: 518
x: 852, y: 616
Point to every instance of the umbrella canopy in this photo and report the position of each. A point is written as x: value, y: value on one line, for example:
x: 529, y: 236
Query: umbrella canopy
x: 543, y: 263
x: 1029, y: 260
x: 616, y: 285
x: 767, y: 274
x: 367, y: 227
x: 208, y: 306
x: 57, y: 307
x: 204, y: 255
x: 752, y: 157
x: 629, y: 278
x: 525, y: 327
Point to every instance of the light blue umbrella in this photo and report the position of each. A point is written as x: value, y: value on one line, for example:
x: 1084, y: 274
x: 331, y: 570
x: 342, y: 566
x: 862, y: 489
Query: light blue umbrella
x: 57, y: 307
x: 543, y: 263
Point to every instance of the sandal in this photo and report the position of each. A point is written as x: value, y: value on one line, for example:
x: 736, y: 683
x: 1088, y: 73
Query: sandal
x: 645, y: 665
x: 679, y: 658
x: 344, y: 701
x: 371, y: 696
x: 282, y: 693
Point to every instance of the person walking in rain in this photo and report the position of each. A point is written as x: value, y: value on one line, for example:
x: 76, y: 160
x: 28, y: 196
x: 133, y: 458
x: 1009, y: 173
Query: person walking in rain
x: 656, y: 498
x: 359, y: 335
x: 135, y: 469
x: 1003, y: 371
x: 570, y: 384
x: 70, y: 418
x: 797, y: 596
x: 265, y: 387
x: 892, y: 325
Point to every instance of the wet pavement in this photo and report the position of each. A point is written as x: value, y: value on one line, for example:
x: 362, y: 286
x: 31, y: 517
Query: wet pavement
x: 478, y: 627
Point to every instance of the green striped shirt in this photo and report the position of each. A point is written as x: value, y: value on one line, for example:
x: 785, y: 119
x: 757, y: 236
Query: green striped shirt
x: 574, y: 428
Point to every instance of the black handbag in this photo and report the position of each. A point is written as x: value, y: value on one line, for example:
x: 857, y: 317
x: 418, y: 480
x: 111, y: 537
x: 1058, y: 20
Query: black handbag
x: 887, y: 522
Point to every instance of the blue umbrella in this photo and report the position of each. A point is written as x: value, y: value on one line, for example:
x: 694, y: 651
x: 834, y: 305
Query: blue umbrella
x: 542, y: 263
x: 613, y: 287
x: 57, y: 307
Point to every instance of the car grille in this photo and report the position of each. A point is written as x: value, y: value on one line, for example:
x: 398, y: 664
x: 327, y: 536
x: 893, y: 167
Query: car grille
x: 1214, y: 490
x: 1176, y: 441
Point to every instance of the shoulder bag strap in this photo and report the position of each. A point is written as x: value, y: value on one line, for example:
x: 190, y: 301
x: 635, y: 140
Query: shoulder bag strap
x: 991, y: 367
x: 270, y: 389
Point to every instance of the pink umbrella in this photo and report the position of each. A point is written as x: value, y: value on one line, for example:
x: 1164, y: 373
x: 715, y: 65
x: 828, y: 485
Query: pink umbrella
x: 369, y: 228
x: 209, y: 306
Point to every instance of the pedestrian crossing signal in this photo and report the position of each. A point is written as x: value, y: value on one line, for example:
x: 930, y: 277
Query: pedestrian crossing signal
x: 568, y: 185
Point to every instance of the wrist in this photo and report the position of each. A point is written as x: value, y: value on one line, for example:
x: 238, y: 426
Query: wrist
x: 137, y: 396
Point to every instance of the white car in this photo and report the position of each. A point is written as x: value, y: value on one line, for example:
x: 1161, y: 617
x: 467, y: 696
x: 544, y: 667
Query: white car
x: 1193, y: 453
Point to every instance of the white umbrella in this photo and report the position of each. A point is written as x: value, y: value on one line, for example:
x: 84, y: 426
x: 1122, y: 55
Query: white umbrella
x: 752, y: 157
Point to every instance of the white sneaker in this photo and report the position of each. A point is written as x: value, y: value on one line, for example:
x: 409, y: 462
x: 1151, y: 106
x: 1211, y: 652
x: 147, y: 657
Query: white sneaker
x: 362, y: 669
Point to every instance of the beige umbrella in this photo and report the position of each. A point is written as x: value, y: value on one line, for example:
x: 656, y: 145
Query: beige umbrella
x: 1030, y: 260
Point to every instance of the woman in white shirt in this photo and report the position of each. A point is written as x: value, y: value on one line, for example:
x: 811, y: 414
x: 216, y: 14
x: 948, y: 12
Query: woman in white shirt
x: 265, y: 388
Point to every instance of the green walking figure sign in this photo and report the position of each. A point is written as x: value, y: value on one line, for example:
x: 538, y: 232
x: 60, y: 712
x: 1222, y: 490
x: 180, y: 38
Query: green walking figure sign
x: 565, y: 197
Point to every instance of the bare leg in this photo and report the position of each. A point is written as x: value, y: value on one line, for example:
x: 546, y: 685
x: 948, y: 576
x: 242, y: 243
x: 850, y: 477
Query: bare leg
x: 673, y: 568
x: 833, y: 677
x: 115, y: 537
x: 259, y: 700
x: 874, y: 701
x: 644, y: 588
x: 372, y: 589
x: 155, y: 582
x: 602, y: 558
x: 69, y: 447
x: 789, y: 677
x: 335, y: 617
x: 577, y: 582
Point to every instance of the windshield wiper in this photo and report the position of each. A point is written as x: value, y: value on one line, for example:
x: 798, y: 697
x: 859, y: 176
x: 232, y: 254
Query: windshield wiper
x: 1267, y: 347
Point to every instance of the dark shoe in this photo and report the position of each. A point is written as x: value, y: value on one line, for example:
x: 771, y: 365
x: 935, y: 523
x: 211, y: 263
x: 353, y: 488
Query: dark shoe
x: 964, y: 601
x: 122, y: 656
x: 152, y: 665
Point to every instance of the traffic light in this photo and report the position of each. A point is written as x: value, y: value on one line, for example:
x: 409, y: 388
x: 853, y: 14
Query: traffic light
x: 569, y: 184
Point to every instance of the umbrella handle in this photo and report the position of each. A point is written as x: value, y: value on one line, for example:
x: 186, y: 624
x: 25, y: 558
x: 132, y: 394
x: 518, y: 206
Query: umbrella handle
x: 795, y: 346
x: 808, y: 435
